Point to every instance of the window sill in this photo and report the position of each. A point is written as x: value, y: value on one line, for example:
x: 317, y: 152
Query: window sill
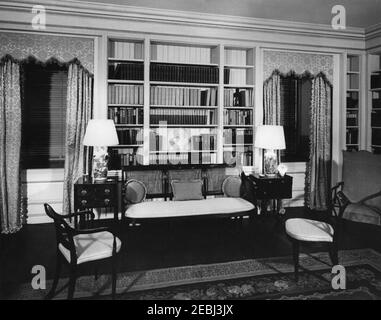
x: 44, y: 175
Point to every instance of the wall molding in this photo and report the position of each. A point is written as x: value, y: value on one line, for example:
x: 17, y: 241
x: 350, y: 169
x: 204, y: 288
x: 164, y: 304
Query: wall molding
x: 111, y: 13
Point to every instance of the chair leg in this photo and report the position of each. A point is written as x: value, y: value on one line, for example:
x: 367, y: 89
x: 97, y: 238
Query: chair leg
x: 72, y: 280
x: 333, y: 253
x: 52, y: 291
x: 295, y: 252
x: 113, y: 276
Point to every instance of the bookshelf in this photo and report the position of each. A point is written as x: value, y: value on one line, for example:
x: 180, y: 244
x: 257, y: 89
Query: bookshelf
x: 375, y: 101
x: 238, y: 105
x: 126, y: 100
x: 180, y: 103
x: 353, y: 103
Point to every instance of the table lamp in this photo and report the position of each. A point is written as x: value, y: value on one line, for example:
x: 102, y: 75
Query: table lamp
x: 270, y: 138
x: 100, y: 134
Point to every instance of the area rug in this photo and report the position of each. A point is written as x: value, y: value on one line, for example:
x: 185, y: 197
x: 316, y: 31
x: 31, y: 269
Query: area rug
x: 267, y: 278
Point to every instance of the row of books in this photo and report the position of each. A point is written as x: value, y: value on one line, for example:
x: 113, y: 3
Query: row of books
x: 124, y: 115
x: 376, y: 137
x: 126, y: 50
x: 183, y: 96
x: 238, y: 117
x: 235, y: 57
x: 240, y: 98
x: 238, y: 136
x: 353, y: 81
x: 180, y: 54
x: 125, y: 157
x: 353, y: 63
x: 376, y: 103
x: 376, y: 118
x: 125, y: 94
x: 126, y: 71
x: 235, y: 76
x: 352, y: 136
x: 183, y: 158
x: 202, y: 142
x: 243, y: 157
x: 183, y: 116
x: 130, y: 136
x: 183, y: 73
x: 375, y: 81
x: 352, y: 99
x: 352, y: 118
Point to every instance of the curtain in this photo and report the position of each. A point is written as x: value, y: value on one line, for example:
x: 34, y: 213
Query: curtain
x: 271, y: 100
x: 10, y: 146
x: 79, y: 108
x: 318, y: 168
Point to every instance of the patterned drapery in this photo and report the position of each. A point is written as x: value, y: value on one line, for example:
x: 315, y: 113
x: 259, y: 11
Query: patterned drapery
x: 271, y: 100
x: 11, y: 217
x: 319, y: 166
x: 79, y: 109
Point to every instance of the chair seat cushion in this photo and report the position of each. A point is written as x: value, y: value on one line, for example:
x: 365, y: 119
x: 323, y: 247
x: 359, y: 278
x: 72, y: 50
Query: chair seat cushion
x: 362, y: 213
x: 166, y: 209
x: 93, y: 246
x: 309, y: 230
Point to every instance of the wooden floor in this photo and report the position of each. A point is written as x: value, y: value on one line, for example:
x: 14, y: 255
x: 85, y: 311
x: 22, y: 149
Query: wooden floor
x: 161, y: 244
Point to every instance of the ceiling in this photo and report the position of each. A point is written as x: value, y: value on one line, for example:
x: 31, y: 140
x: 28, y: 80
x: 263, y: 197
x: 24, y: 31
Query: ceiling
x: 359, y: 13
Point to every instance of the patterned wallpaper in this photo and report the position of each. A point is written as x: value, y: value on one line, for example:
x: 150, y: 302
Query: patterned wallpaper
x: 43, y: 47
x: 286, y: 61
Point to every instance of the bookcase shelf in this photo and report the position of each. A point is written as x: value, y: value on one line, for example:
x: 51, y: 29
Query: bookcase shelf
x: 151, y: 81
x: 183, y: 84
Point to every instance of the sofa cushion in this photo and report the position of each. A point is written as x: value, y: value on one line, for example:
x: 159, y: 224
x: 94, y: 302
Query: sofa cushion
x: 361, y: 213
x: 187, y: 190
x: 231, y: 187
x: 212, y: 206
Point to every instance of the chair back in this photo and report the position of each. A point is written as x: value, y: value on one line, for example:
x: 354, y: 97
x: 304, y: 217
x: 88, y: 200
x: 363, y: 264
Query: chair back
x: 361, y: 176
x: 64, y: 233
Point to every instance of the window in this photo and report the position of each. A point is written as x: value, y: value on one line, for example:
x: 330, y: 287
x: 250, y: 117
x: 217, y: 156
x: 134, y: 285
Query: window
x: 44, y: 115
x: 296, y: 118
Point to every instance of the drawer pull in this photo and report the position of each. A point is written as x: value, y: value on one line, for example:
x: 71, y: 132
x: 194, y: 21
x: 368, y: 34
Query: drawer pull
x: 107, y: 191
x: 83, y: 192
x: 107, y: 201
x: 84, y: 202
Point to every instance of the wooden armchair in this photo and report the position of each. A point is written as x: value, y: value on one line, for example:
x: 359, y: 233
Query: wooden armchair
x: 358, y: 196
x: 77, y: 246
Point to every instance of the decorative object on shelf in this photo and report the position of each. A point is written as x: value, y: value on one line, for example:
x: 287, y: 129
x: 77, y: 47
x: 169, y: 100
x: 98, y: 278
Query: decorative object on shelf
x: 270, y: 138
x: 237, y: 98
x: 100, y: 134
x: 282, y: 169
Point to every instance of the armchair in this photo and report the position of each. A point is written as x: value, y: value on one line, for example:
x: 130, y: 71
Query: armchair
x: 77, y: 246
x: 358, y: 196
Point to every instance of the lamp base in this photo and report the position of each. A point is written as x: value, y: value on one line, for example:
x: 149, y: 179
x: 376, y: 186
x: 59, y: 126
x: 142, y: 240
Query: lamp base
x: 270, y: 163
x: 100, y: 161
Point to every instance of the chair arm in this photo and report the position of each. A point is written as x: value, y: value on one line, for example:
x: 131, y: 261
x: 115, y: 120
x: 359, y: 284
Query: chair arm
x: 90, y: 231
x: 372, y: 196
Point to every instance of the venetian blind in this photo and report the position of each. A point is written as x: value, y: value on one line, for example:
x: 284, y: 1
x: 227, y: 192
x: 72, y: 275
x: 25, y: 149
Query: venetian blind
x: 44, y: 116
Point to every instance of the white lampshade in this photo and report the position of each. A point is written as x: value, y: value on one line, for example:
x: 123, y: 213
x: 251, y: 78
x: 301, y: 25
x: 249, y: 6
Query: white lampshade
x: 270, y: 137
x: 100, y: 132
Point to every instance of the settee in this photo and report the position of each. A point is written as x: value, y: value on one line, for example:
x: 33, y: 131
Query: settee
x: 188, y: 191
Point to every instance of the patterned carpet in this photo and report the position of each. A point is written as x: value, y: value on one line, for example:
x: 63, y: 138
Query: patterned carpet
x: 268, y: 278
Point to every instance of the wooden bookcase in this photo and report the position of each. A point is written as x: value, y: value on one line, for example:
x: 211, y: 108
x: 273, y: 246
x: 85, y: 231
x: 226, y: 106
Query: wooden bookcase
x: 353, y: 112
x: 375, y: 101
x: 173, y: 102
x: 238, y: 103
